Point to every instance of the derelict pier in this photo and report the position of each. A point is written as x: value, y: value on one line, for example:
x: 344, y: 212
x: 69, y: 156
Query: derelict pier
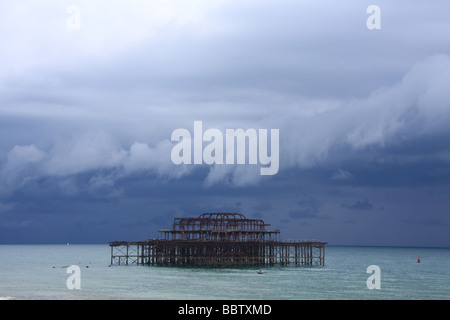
x: 218, y: 240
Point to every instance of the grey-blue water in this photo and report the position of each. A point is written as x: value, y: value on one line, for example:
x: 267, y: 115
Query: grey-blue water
x: 40, y: 272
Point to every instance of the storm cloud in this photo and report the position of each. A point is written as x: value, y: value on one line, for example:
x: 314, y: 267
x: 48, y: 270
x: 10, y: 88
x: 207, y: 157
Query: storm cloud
x: 417, y: 106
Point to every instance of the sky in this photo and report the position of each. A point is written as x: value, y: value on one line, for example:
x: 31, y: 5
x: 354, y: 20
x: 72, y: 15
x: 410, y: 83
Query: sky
x: 91, y: 91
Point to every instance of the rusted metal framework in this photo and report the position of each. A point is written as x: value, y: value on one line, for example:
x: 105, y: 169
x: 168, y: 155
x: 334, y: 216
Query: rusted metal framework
x: 220, y: 227
x: 218, y: 240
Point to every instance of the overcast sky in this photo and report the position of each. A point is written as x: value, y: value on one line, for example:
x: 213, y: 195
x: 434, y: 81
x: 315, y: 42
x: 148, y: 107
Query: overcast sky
x: 88, y: 105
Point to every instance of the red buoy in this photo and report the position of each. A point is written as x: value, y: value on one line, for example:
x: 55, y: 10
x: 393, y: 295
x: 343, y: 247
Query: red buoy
x: 418, y: 260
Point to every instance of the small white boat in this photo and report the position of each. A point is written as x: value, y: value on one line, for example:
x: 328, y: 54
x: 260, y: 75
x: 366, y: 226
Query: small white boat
x: 260, y: 272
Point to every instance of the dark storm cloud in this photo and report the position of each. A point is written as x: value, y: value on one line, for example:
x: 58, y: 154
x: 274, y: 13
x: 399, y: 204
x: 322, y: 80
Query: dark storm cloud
x: 359, y: 205
x: 342, y: 175
x: 306, y: 208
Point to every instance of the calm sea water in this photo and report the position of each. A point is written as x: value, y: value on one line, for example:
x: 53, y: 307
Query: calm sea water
x: 40, y: 272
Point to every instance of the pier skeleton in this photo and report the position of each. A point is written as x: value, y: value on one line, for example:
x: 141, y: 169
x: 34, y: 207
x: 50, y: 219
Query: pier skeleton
x: 218, y: 240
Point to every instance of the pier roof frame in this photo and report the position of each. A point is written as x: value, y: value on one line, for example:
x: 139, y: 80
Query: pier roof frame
x: 219, y: 221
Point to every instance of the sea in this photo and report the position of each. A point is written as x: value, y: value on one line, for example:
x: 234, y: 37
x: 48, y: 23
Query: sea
x: 83, y: 272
